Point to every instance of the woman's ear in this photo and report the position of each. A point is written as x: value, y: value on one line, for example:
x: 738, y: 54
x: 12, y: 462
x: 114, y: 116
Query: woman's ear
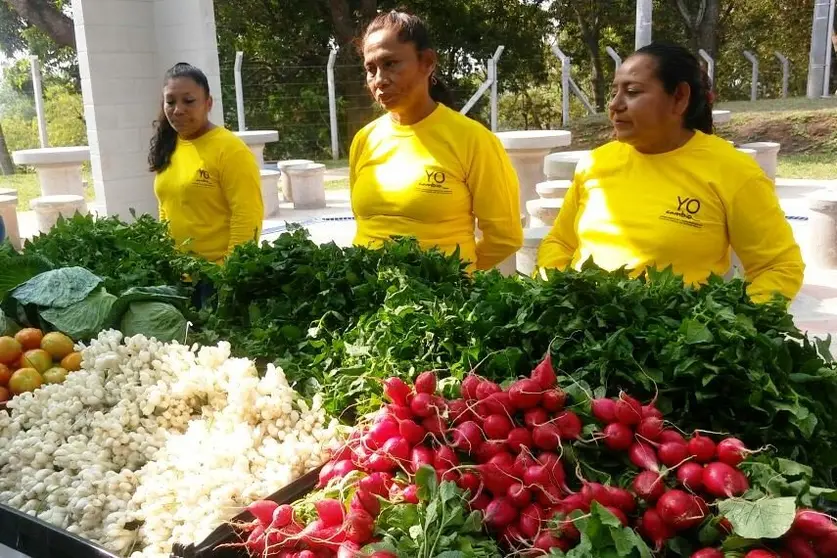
x: 210, y: 102
x: 682, y: 96
x: 429, y: 60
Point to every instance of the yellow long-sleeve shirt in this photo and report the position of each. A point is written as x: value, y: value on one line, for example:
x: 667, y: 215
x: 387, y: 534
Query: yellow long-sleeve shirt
x: 431, y: 181
x: 685, y: 208
x: 211, y: 194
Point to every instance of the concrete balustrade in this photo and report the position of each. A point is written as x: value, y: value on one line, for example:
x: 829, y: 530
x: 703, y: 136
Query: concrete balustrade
x: 285, y: 179
x: 543, y: 211
x: 307, y: 185
x: 553, y: 189
x: 48, y: 208
x: 527, y: 149
x: 527, y: 256
x: 58, y: 168
x: 256, y: 140
x: 767, y: 156
x: 822, y: 224
x: 8, y: 212
x: 561, y: 166
x: 270, y: 192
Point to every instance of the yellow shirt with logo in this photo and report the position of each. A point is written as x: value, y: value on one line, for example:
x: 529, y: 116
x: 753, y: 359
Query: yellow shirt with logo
x: 684, y: 208
x: 432, y: 180
x: 211, y: 194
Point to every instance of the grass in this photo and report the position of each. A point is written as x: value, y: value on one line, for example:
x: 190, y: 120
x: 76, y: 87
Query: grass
x: 816, y: 165
x: 28, y: 188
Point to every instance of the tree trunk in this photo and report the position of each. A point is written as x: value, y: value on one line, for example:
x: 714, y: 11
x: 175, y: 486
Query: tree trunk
x: 45, y: 16
x: 708, y: 31
x: 590, y: 32
x: 6, y: 165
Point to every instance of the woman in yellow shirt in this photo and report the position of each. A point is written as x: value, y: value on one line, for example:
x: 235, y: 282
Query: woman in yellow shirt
x: 669, y: 192
x: 207, y: 181
x: 424, y: 170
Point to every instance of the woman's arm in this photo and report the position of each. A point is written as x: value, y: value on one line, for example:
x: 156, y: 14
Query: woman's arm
x: 242, y: 186
x: 559, y: 246
x: 763, y: 239
x: 495, y: 193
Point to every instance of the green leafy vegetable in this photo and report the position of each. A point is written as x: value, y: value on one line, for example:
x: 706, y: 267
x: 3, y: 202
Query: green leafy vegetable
x: 160, y: 320
x: 766, y: 518
x: 84, y: 319
x: 58, y: 288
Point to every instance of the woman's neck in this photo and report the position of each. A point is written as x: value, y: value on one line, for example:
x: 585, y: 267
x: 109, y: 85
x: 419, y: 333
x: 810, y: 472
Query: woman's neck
x: 668, y: 143
x: 414, y: 114
x: 208, y: 127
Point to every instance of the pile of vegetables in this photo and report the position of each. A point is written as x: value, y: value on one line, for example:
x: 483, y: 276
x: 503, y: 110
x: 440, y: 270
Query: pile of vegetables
x: 30, y: 359
x: 542, y: 473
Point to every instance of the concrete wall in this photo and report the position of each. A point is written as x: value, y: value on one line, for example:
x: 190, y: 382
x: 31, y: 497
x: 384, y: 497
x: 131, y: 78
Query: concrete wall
x: 124, y: 49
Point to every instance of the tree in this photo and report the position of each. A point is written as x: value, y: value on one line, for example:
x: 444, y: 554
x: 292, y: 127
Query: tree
x: 48, y: 16
x: 6, y: 164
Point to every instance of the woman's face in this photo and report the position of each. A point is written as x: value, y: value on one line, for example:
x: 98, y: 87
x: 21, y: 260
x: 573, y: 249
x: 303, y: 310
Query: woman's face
x: 187, y: 106
x: 398, y: 76
x: 643, y: 114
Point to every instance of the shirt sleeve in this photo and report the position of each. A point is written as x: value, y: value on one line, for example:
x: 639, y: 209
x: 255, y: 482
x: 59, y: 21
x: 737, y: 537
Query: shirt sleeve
x: 162, y: 212
x: 559, y: 246
x: 495, y: 193
x: 242, y: 186
x: 354, y: 152
x: 763, y: 240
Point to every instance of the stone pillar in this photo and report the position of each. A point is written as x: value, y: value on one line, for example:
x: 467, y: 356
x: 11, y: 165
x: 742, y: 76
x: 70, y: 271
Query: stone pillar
x: 124, y: 48
x: 767, y: 156
x: 822, y: 225
x: 49, y: 208
x: 8, y: 211
x: 308, y: 182
x: 527, y: 256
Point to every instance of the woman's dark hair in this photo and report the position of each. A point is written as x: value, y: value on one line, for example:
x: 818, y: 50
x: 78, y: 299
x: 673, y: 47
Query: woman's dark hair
x: 164, y: 140
x: 411, y: 29
x: 676, y: 65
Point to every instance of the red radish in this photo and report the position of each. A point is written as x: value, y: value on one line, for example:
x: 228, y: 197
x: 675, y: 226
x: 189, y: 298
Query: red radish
x: 256, y: 541
x: 536, y: 476
x: 445, y: 459
x: 826, y: 546
x: 348, y: 549
x: 359, y: 527
x: 814, y: 524
x: 621, y: 498
x: 422, y: 405
x: 426, y: 383
x: 731, y: 451
x: 497, y: 427
x: 546, y: 541
x: 708, y: 553
x: 410, y: 494
x: 523, y: 461
x: 498, y: 404
x: 343, y: 468
x: 654, y: 528
x: 604, y: 410
x: 651, y: 411
x: 510, y: 535
x: 499, y: 513
x: 721, y: 480
x: 330, y: 511
x: 434, y: 425
x: 519, y: 495
x: 398, y: 449
x: 382, y: 554
x: 381, y: 463
x: 375, y: 483
x: 486, y: 388
x: 649, y: 486
x: 553, y: 400
x: 263, y: 511
x: 642, y: 455
x: 470, y: 482
x: 411, y: 432
x: 800, y: 547
x: 544, y: 374
x: 366, y: 501
x: 489, y: 449
x: 525, y: 394
x: 628, y: 410
x: 548, y: 496
x: 568, y: 529
x: 702, y: 447
x: 282, y: 516
x: 618, y: 436
x: 480, y: 503
x: 383, y: 431
x: 469, y: 386
x: 530, y: 521
x: 672, y: 436
x: 672, y: 454
x: 650, y: 428
x: 569, y: 425
x: 396, y: 390
x: 759, y: 553
x: 467, y: 437
x: 680, y: 510
x: 690, y: 475
x: 620, y: 515
x: 554, y: 466
x: 535, y: 417
x: 421, y: 456
x: 401, y: 412
x: 546, y: 437
x: 306, y: 554
x: 326, y: 474
x: 518, y: 439
x: 458, y: 411
x: 595, y: 492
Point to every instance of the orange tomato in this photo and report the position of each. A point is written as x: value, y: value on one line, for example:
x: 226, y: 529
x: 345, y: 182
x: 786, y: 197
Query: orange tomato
x: 10, y: 350
x: 29, y: 338
x: 5, y: 374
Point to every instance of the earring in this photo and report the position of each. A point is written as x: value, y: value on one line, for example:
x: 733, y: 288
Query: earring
x: 433, y: 80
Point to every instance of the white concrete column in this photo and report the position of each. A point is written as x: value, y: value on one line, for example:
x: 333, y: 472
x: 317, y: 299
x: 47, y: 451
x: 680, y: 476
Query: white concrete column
x: 820, y: 43
x: 644, y: 19
x: 124, y: 49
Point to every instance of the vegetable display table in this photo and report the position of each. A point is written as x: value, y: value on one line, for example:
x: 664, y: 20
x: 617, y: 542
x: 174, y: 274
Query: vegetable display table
x: 58, y: 168
x: 527, y: 149
x: 256, y: 140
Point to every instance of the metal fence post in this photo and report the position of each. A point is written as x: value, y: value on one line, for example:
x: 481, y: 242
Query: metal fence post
x: 332, y: 104
x: 614, y: 56
x: 710, y: 66
x: 493, y: 64
x: 785, y: 73
x: 565, y: 84
x: 754, y: 86
x: 239, y: 91
x: 35, y: 67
